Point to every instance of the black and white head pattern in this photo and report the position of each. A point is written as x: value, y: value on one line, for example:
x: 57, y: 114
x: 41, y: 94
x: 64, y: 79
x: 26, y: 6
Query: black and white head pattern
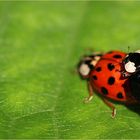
x: 87, y: 64
x: 132, y: 62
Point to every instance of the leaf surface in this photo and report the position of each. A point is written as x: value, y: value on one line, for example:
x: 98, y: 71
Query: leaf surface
x: 40, y: 45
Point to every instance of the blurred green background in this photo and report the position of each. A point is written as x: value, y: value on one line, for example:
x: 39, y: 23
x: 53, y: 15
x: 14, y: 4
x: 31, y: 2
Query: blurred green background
x: 40, y: 44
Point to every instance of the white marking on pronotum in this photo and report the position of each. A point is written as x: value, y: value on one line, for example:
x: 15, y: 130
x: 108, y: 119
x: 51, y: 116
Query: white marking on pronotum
x: 97, y: 58
x: 130, y: 67
x: 94, y: 62
x: 84, y: 69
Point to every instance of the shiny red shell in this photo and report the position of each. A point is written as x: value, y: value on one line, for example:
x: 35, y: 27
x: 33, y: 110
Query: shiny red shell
x: 107, y: 79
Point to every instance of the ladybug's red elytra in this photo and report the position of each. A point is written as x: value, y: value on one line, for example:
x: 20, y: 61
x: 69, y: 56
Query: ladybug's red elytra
x: 108, y: 74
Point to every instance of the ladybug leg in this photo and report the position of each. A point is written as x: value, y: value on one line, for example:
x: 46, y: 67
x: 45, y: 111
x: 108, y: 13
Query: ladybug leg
x: 109, y: 104
x: 90, y: 89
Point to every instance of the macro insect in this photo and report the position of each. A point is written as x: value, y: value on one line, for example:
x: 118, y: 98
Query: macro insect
x: 113, y: 75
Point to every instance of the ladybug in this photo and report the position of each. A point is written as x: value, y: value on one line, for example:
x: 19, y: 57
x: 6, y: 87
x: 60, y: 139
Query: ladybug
x: 110, y: 75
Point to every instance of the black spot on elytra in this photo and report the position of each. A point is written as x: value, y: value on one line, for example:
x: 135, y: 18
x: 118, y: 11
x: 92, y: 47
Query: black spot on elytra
x: 117, y: 56
x: 98, y: 69
x: 104, y: 90
x: 94, y: 77
x: 119, y: 95
x: 110, y: 66
x: 111, y: 80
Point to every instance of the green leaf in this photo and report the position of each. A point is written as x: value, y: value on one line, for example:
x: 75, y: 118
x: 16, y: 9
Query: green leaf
x: 40, y: 45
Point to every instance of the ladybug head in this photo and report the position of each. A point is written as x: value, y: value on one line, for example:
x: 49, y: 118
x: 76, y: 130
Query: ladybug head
x: 87, y: 64
x: 131, y: 63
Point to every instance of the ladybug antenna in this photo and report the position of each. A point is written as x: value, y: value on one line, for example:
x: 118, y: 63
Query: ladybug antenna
x: 128, y: 49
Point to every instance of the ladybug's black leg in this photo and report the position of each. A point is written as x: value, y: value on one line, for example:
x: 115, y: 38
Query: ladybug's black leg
x: 90, y: 89
x: 109, y: 104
